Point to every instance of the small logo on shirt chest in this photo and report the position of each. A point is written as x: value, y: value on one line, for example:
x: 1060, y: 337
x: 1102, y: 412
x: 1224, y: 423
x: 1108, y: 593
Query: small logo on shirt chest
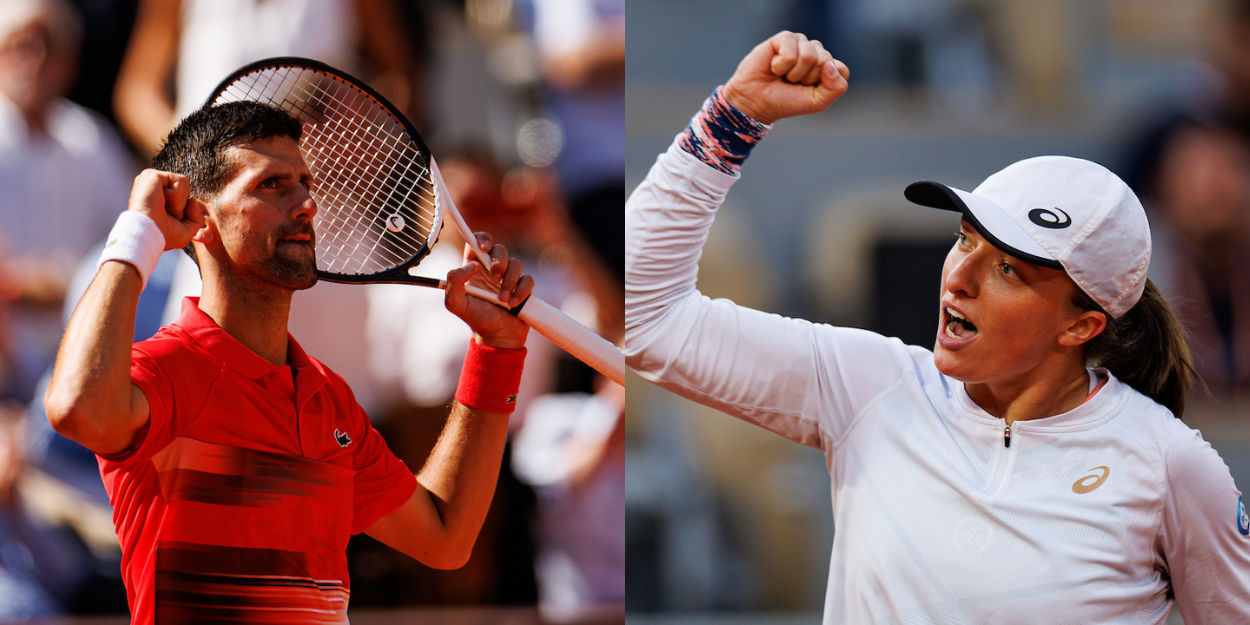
x: 1243, y: 521
x: 1091, y: 481
x: 342, y: 438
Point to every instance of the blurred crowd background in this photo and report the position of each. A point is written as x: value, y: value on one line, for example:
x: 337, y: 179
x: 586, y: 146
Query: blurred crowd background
x: 540, y: 126
x: 522, y: 101
x: 723, y: 518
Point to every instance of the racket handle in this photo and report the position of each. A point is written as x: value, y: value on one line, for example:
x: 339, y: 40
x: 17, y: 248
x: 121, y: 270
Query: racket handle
x: 576, y: 339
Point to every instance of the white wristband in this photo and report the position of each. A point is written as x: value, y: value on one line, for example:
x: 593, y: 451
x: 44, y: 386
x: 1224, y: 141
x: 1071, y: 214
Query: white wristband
x: 137, y: 240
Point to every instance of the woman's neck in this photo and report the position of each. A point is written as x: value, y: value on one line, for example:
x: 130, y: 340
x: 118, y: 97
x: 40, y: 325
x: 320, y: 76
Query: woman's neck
x: 1043, y: 392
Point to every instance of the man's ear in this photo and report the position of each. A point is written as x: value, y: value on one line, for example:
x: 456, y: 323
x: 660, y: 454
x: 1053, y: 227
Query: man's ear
x: 208, y: 230
x: 1087, y: 325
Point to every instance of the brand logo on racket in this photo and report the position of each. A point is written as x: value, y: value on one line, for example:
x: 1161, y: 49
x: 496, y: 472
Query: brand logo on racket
x: 395, y: 222
x: 1092, y: 481
x: 1047, y: 218
x: 1243, y: 521
x: 342, y: 438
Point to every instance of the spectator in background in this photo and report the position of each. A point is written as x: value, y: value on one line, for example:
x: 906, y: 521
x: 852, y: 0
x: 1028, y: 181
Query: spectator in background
x: 1228, y: 95
x: 1191, y: 167
x: 42, y: 567
x: 63, y: 172
x: 581, y: 45
x: 193, y: 44
x: 571, y: 449
x: 1201, y: 189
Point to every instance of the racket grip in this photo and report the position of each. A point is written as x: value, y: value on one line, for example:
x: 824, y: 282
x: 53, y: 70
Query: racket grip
x: 576, y: 339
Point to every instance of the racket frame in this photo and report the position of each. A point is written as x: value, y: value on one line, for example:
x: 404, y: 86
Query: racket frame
x: 399, y: 274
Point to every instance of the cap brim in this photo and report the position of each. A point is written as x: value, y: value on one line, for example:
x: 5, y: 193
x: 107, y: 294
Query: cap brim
x: 990, y: 220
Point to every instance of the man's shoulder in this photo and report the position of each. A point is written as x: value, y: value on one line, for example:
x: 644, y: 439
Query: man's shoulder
x: 170, y: 345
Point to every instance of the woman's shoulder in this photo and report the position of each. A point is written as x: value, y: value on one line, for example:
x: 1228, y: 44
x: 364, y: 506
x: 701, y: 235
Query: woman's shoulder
x: 871, y: 350
x: 1181, y: 447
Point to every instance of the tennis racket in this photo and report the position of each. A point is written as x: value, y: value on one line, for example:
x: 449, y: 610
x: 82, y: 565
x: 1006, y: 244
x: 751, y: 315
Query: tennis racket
x: 380, y: 198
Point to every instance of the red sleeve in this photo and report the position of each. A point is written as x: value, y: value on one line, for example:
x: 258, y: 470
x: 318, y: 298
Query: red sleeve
x: 383, y: 482
x: 173, y: 401
x: 156, y: 386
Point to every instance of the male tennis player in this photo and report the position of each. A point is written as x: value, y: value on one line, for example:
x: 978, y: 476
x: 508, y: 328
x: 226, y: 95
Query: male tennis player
x: 237, y: 465
x: 1029, y: 469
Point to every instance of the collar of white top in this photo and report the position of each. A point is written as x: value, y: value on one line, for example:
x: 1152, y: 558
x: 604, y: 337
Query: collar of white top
x: 1096, y: 410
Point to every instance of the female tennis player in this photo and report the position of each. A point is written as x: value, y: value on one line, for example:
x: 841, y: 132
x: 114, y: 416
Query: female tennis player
x: 1031, y: 468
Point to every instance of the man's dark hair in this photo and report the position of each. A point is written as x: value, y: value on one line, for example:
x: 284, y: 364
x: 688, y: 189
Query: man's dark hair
x: 196, y: 147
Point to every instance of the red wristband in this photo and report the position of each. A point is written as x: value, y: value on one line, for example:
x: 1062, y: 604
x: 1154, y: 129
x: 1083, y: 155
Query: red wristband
x: 490, y: 378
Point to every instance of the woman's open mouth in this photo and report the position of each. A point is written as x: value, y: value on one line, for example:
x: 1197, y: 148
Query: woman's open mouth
x: 956, y: 325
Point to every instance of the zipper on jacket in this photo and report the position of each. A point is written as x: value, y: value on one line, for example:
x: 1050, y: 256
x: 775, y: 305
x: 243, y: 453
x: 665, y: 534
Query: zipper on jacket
x: 1007, y: 435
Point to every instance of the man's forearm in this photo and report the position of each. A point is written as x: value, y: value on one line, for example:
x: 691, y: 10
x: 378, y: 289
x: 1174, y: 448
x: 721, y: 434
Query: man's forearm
x: 440, y: 521
x: 90, y: 398
x: 462, y: 471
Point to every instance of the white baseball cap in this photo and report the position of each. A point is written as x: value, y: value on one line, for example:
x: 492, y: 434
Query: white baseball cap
x: 1059, y: 212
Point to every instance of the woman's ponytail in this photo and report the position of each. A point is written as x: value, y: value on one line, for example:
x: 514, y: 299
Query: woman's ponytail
x: 1145, y: 348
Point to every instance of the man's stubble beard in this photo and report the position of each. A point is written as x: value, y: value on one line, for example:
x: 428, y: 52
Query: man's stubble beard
x: 290, y: 273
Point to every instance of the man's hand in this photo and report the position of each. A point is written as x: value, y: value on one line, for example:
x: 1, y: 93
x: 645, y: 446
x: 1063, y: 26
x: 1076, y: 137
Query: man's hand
x: 492, y: 325
x: 166, y: 198
x: 786, y: 76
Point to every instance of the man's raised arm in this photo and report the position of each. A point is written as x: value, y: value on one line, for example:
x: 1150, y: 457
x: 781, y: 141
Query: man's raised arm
x: 440, y: 521
x: 91, y: 399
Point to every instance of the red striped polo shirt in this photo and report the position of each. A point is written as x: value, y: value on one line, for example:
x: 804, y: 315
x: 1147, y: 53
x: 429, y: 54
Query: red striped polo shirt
x: 237, y: 501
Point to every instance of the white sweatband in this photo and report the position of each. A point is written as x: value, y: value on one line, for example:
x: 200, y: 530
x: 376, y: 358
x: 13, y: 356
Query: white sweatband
x: 137, y: 240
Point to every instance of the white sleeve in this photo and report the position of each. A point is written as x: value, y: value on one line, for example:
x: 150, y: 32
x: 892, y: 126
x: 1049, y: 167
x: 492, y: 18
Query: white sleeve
x: 1204, y: 536
x: 802, y: 380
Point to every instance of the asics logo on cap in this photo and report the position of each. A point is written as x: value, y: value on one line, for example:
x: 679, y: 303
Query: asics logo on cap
x: 1243, y: 521
x: 1091, y: 481
x: 1047, y: 218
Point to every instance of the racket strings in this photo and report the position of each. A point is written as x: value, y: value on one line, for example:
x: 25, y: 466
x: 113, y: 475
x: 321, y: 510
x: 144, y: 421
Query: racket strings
x: 350, y: 133
x: 368, y: 171
x: 340, y: 231
x: 393, y: 148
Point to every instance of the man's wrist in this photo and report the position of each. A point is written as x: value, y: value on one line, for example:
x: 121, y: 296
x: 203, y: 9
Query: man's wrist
x: 500, y: 341
x: 490, y: 378
x: 135, y: 240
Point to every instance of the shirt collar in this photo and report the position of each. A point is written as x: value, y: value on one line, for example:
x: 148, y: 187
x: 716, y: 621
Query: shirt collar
x: 228, y: 350
x: 1097, y: 409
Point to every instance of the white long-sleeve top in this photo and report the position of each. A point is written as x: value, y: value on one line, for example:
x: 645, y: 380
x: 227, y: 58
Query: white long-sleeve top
x: 1102, y: 514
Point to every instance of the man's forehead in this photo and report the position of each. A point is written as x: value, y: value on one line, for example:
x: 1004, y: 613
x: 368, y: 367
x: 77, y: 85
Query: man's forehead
x: 271, y: 152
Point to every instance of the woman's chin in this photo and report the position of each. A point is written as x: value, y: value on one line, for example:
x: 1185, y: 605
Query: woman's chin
x: 950, y: 364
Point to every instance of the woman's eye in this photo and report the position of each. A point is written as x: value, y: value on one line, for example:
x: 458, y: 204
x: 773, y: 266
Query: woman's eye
x: 1008, y: 269
x: 961, y: 238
